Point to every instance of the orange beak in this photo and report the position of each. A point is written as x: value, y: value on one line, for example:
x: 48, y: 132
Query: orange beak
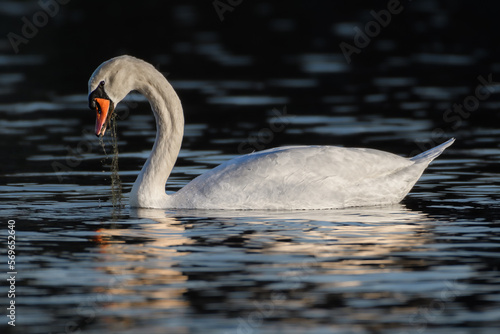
x: 103, y: 114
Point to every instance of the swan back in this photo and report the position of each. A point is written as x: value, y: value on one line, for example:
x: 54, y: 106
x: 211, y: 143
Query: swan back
x: 302, y: 177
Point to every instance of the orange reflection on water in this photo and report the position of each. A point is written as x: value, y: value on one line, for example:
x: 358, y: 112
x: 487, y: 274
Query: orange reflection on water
x: 140, y: 262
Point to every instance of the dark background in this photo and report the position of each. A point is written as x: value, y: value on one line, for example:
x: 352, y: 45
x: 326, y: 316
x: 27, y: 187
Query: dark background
x: 82, y: 34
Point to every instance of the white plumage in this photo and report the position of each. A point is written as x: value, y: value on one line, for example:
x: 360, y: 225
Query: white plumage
x: 304, y: 177
x: 298, y: 177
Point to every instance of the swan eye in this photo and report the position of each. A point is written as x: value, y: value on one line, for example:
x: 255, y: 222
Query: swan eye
x: 101, y: 83
x: 96, y: 106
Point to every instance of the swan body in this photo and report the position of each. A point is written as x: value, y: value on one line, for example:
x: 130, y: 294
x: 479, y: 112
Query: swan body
x: 296, y: 177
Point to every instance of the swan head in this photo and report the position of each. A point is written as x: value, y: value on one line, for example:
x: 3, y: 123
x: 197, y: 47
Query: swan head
x: 108, y: 85
x: 104, y: 107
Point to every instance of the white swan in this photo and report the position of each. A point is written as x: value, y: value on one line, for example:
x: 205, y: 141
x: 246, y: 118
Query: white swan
x: 298, y: 177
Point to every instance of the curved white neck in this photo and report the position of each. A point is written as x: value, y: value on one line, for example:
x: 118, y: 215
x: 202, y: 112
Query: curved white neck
x: 149, y: 187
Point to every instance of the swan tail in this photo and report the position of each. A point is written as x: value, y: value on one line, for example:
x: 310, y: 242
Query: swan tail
x: 433, y: 153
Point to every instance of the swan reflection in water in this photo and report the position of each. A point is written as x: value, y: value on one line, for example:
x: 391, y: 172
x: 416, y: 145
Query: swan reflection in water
x: 173, y: 264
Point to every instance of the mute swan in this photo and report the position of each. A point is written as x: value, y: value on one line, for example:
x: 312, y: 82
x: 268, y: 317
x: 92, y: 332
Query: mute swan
x: 297, y: 177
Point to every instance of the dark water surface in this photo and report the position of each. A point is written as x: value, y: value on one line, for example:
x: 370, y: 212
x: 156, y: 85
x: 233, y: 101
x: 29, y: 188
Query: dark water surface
x: 268, y: 75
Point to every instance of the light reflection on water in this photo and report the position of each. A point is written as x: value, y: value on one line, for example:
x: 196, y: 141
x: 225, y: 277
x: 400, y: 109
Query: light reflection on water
x: 156, y: 268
